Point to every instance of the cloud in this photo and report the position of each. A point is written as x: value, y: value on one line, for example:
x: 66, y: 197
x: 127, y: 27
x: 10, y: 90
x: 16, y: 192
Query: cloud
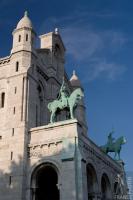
x: 102, y: 68
x: 91, y: 48
x: 81, y: 43
x: 84, y: 42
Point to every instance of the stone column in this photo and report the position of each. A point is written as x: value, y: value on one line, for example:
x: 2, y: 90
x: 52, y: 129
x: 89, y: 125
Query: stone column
x: 33, y: 193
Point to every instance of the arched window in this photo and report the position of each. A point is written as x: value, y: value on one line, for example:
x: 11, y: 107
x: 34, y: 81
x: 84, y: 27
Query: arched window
x: 19, y: 38
x: 17, y: 66
x: 26, y: 37
x: 2, y: 99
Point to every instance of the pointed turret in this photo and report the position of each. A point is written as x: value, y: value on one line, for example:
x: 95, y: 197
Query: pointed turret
x: 25, y: 22
x: 23, y: 35
x: 80, y: 110
x: 74, y: 80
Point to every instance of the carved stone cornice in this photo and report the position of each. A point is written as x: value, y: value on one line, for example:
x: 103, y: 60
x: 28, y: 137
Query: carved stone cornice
x: 96, y: 156
x: 44, y: 149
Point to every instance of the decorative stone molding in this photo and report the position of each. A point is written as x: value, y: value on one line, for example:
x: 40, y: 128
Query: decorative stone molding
x: 40, y: 150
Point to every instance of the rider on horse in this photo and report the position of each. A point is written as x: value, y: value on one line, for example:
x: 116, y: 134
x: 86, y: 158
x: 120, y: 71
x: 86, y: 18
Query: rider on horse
x: 110, y: 139
x: 63, y: 95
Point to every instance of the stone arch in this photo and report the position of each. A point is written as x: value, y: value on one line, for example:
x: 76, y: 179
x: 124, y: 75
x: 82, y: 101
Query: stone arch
x: 45, y: 182
x: 92, y: 181
x: 105, y: 187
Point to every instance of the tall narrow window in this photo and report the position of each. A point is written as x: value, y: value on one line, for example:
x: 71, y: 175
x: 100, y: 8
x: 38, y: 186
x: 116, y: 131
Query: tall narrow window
x: 19, y: 38
x: 14, y: 110
x: 17, y: 66
x: 11, y: 155
x: 10, y: 180
x: 26, y: 37
x: 12, y: 131
x: 2, y: 99
x: 15, y: 90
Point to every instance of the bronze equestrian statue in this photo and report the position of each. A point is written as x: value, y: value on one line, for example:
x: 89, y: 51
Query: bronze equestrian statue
x: 113, y: 146
x: 65, y: 101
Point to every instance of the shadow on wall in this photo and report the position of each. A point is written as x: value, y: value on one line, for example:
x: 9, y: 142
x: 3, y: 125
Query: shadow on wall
x: 12, y: 181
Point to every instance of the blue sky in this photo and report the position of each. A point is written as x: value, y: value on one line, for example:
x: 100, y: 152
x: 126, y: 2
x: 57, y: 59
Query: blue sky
x: 98, y: 35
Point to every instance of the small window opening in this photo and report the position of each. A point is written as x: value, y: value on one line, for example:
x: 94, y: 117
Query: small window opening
x: 15, y: 90
x: 10, y: 180
x: 17, y: 66
x: 12, y: 131
x: 19, y: 38
x: 0, y: 137
x: 11, y: 155
x: 2, y: 99
x: 26, y: 37
x: 14, y: 110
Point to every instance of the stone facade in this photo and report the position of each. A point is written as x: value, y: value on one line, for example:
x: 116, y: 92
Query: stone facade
x: 30, y: 147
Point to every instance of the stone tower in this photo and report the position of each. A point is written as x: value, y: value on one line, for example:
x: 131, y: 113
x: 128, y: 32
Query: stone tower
x: 39, y: 160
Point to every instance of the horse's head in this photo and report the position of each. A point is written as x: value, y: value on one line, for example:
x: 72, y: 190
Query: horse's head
x: 75, y: 96
x: 79, y: 93
x: 122, y: 140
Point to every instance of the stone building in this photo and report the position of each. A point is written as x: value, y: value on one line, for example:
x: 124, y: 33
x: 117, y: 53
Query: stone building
x: 39, y: 160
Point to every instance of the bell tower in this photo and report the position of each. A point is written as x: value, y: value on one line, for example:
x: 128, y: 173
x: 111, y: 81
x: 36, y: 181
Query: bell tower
x: 53, y: 42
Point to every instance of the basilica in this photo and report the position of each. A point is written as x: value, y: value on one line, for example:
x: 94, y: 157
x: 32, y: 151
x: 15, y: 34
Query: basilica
x: 44, y: 157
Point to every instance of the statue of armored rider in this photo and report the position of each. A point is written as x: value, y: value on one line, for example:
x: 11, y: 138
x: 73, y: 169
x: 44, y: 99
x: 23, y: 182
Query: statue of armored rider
x: 63, y: 95
x: 110, y: 139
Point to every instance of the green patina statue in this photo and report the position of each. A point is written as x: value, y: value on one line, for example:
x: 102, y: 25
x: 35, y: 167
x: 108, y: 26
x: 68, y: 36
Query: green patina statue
x: 63, y: 95
x: 65, y: 101
x: 114, y: 146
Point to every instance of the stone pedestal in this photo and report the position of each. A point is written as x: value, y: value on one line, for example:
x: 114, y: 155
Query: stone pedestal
x: 57, y: 145
x: 74, y: 158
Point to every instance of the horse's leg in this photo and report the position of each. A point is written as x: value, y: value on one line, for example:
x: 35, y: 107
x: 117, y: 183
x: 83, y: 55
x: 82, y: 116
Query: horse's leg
x: 115, y: 155
x: 71, y: 112
x: 52, y: 119
x: 119, y: 155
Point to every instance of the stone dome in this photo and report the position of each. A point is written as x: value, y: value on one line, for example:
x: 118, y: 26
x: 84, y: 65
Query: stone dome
x: 75, y: 82
x: 24, y: 22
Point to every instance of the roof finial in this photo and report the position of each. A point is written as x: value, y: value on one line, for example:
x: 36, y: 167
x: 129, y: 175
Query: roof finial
x: 56, y: 31
x: 74, y: 72
x: 26, y: 13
